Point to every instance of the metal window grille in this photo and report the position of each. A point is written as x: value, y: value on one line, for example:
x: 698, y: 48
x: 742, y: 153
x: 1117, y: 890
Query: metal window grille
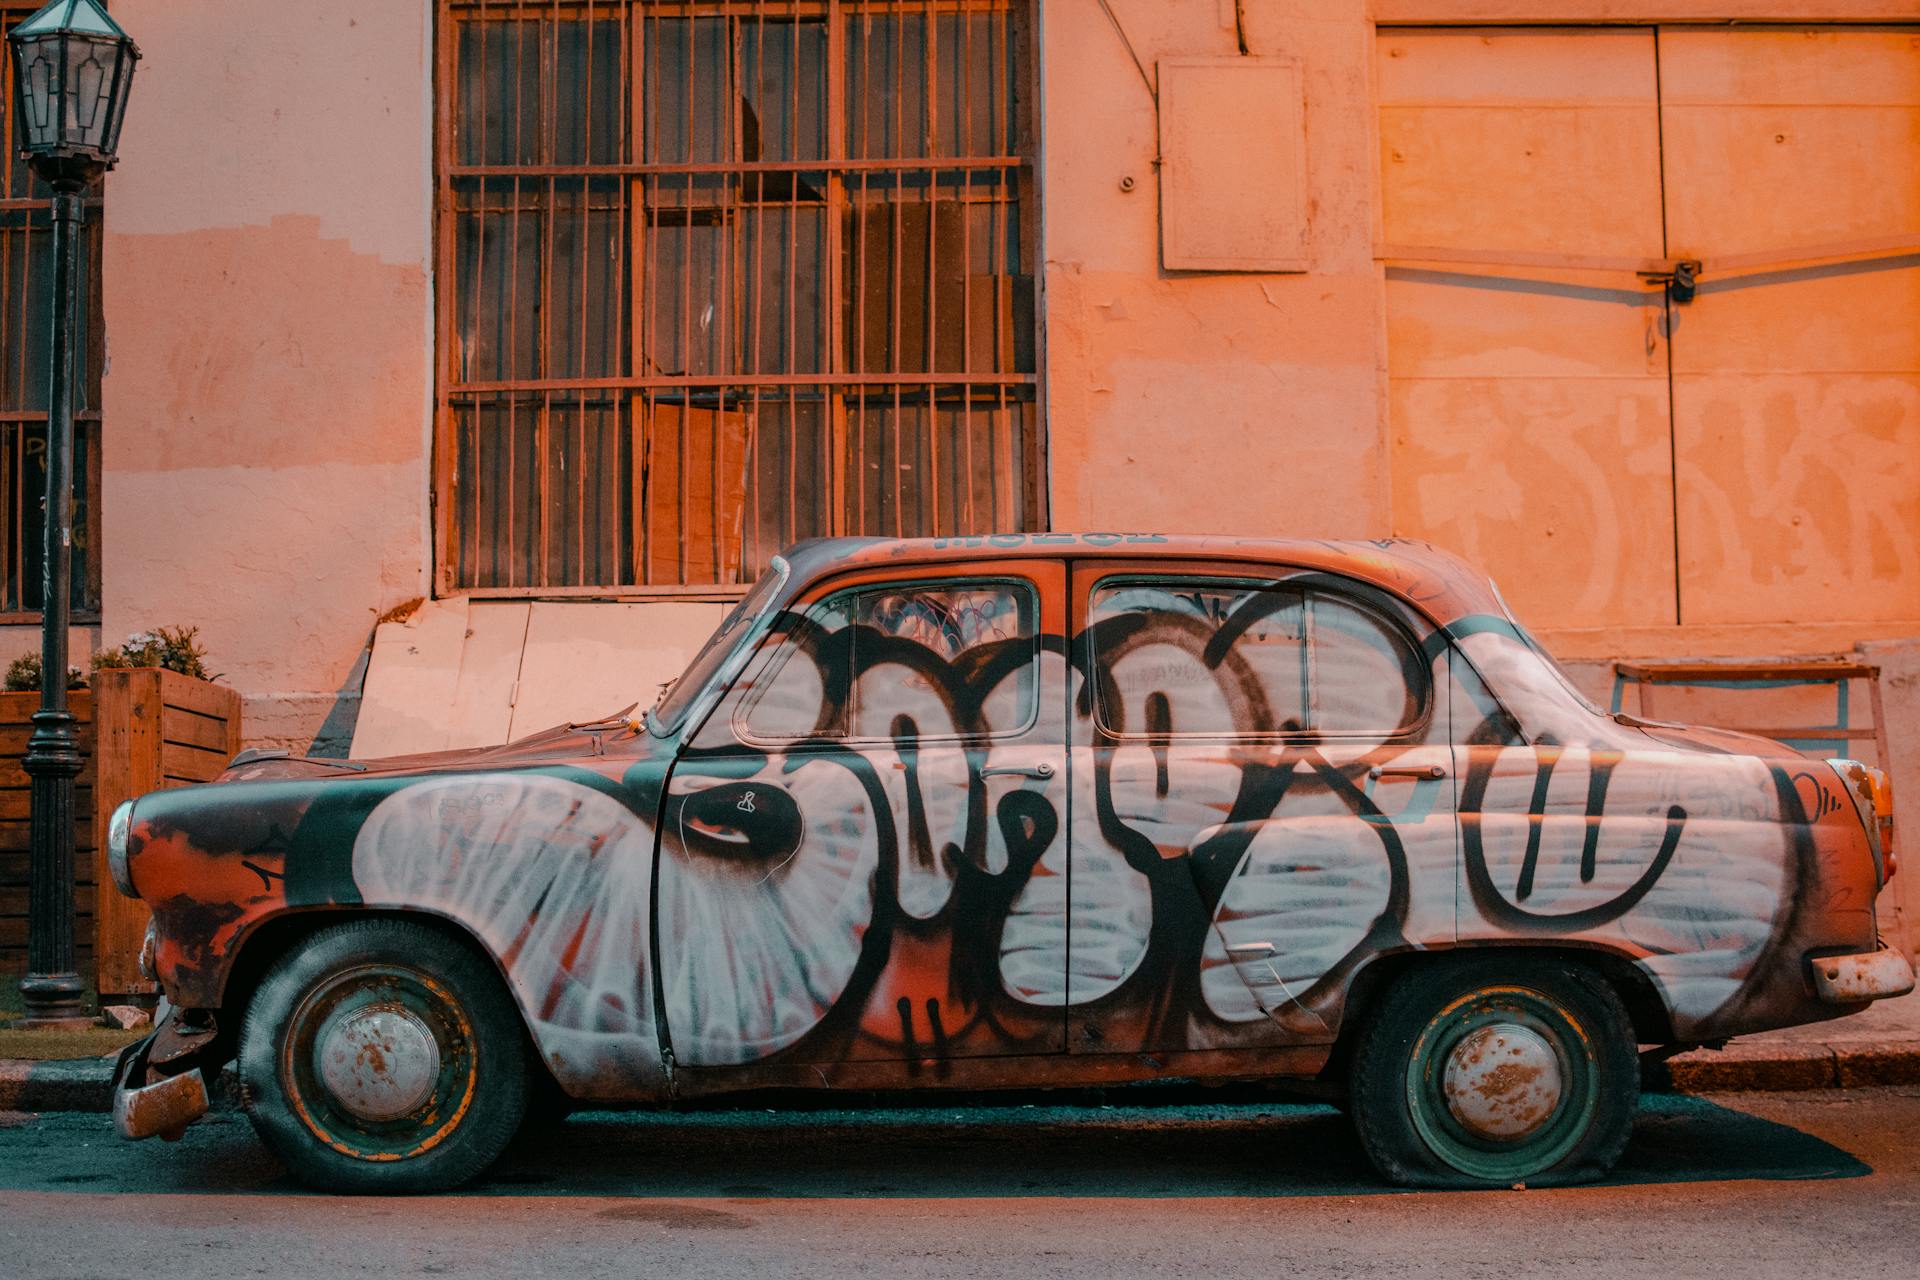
x: 26, y: 345
x: 721, y: 276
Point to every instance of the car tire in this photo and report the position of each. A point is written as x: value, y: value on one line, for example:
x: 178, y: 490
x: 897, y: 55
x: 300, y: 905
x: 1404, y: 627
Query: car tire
x: 548, y: 1105
x: 383, y: 1056
x: 1496, y: 1071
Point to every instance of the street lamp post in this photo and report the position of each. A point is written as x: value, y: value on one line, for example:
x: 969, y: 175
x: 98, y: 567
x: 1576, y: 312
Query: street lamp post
x: 72, y: 67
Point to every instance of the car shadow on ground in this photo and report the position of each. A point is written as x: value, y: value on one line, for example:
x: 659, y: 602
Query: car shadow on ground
x: 733, y: 1153
x: 1191, y: 1150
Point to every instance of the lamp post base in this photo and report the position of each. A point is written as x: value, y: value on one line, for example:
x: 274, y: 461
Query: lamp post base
x: 53, y: 994
x: 54, y: 1002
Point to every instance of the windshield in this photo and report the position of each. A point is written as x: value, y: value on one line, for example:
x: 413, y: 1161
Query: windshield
x: 1552, y: 663
x: 729, y: 638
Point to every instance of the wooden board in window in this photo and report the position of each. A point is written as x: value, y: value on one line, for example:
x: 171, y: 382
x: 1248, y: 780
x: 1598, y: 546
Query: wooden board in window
x: 690, y: 496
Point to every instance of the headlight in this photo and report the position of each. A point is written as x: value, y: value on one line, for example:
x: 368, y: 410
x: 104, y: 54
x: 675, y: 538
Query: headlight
x: 119, y: 830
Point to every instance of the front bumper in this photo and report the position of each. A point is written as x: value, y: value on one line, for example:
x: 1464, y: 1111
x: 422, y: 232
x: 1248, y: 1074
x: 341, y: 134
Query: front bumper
x: 1857, y: 979
x: 158, y: 1085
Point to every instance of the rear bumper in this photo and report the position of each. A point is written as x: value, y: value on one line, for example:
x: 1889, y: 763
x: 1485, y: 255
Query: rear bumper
x: 1857, y: 979
x: 158, y: 1088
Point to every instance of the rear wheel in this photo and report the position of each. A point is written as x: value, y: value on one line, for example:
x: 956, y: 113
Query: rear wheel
x: 1495, y: 1071
x: 383, y: 1056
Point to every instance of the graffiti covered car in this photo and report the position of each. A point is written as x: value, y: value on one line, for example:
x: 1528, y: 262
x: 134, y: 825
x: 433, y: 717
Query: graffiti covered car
x: 1018, y: 812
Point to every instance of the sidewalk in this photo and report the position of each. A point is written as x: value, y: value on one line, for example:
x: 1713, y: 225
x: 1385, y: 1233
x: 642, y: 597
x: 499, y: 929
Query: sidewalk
x: 1878, y: 1047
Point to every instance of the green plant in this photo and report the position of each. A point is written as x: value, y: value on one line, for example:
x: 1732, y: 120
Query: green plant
x: 173, y: 648
x: 23, y: 675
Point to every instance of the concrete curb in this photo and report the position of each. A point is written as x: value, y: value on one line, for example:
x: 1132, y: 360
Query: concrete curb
x: 1785, y: 1067
x: 67, y: 1084
x: 85, y: 1084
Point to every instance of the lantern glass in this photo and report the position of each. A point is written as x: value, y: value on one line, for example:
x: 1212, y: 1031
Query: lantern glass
x: 73, y: 67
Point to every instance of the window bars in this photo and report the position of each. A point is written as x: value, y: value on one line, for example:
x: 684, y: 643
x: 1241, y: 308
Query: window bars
x: 722, y: 276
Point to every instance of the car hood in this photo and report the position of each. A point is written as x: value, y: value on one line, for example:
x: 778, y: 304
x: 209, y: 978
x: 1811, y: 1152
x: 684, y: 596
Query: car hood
x: 562, y: 742
x: 1723, y: 741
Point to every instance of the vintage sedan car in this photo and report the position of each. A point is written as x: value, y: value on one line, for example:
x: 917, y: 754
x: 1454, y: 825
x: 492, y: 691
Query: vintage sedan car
x: 1018, y: 812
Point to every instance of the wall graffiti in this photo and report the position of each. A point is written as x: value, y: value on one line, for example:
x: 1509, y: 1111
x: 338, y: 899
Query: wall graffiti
x: 930, y: 819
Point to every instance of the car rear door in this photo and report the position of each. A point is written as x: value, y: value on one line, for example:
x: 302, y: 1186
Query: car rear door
x: 1262, y: 801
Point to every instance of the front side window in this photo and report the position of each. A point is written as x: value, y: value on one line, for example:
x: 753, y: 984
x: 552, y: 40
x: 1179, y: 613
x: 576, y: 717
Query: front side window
x: 724, y: 276
x: 901, y: 662
x: 1230, y: 658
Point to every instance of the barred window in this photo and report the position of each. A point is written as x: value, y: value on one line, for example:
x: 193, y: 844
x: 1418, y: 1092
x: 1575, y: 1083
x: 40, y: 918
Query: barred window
x: 26, y: 348
x: 720, y: 276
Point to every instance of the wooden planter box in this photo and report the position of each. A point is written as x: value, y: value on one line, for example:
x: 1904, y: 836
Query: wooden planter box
x: 140, y: 730
x: 16, y: 809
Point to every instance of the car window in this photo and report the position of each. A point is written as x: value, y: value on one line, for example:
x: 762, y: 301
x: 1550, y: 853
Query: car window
x: 1365, y: 677
x: 924, y: 655
x: 912, y: 660
x: 1247, y: 659
x: 1184, y: 656
x: 801, y: 687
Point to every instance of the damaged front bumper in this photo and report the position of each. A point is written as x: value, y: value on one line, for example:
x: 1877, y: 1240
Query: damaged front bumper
x: 1868, y: 975
x: 159, y: 1087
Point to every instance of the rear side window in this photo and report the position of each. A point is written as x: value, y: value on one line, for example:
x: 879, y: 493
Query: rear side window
x: 913, y: 660
x: 1366, y: 679
x: 1230, y: 658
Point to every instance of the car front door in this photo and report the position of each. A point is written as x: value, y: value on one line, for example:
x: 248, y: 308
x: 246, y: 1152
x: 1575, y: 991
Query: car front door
x: 863, y: 849
x: 1262, y: 802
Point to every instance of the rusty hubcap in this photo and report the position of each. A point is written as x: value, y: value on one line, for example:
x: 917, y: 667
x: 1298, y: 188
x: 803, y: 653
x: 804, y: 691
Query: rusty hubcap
x: 378, y: 1062
x: 1502, y: 1083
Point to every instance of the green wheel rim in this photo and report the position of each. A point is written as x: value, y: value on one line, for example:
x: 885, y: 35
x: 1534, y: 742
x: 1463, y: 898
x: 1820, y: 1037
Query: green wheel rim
x: 1492, y: 1159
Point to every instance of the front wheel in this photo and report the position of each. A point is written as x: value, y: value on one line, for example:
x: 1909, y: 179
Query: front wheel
x: 1496, y: 1071
x: 383, y: 1056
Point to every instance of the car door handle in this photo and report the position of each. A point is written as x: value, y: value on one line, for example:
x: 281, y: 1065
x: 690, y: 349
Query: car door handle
x: 1406, y: 771
x: 1018, y: 771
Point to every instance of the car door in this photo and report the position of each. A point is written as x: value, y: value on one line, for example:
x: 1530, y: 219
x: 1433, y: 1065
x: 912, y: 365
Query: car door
x: 1262, y: 801
x: 863, y: 849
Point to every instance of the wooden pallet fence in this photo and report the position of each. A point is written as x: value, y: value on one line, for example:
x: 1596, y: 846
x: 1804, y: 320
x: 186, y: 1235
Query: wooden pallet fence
x: 155, y: 729
x: 16, y: 811
x: 140, y: 730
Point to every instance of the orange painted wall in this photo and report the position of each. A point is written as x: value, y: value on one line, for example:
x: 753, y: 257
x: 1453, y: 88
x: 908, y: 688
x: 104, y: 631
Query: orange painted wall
x: 1160, y: 384
x: 1519, y: 415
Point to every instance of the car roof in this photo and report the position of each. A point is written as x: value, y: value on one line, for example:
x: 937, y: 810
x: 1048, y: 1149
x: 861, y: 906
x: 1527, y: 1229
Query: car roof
x: 1439, y: 583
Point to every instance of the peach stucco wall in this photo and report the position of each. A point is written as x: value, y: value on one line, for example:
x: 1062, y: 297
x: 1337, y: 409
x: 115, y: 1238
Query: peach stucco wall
x: 1284, y: 371
x: 268, y: 319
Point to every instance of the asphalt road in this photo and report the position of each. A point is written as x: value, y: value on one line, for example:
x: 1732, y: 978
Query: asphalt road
x: 1735, y: 1186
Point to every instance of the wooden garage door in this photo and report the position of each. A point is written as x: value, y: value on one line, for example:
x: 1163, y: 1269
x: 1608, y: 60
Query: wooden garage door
x: 1614, y: 454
